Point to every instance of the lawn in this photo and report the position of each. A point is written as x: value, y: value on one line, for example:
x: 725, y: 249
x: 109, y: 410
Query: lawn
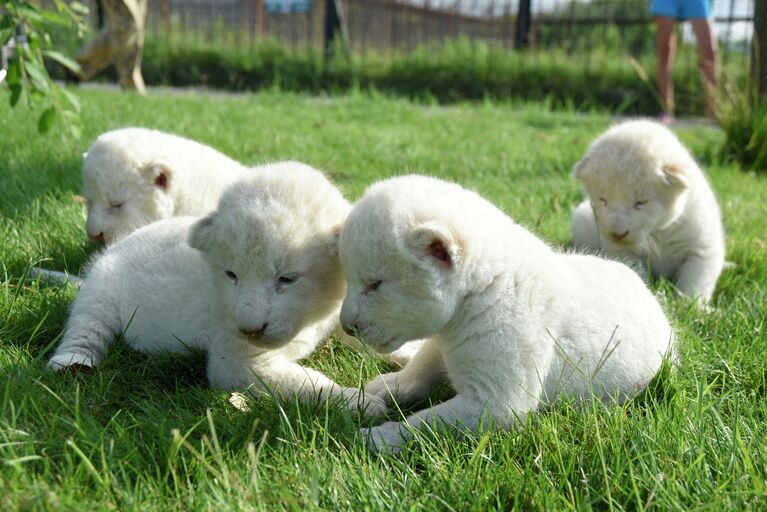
x: 146, y: 433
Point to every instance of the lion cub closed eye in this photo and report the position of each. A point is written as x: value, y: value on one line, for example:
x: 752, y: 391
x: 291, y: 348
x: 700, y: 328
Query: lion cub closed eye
x: 648, y: 201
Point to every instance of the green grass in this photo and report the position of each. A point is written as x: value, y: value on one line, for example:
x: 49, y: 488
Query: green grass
x: 745, y: 123
x: 146, y: 433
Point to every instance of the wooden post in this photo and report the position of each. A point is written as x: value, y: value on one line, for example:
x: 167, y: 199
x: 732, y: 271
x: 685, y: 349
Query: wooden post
x: 100, y: 14
x: 507, y: 31
x: 522, y: 36
x: 244, y: 22
x: 759, y: 49
x: 165, y: 16
x: 260, y: 18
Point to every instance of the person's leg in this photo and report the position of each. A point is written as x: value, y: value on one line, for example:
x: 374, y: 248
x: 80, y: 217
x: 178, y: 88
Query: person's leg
x: 705, y: 37
x: 666, y: 53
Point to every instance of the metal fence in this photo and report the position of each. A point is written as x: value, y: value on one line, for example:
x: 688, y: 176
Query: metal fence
x: 626, y: 25
x: 401, y: 26
x: 389, y: 27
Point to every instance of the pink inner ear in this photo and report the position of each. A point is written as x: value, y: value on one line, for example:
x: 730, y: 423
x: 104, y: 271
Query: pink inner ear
x: 161, y: 181
x: 437, y: 249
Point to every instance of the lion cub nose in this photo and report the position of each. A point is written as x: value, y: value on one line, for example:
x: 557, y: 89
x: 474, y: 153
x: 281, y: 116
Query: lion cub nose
x: 254, y: 332
x: 98, y: 238
x: 618, y: 237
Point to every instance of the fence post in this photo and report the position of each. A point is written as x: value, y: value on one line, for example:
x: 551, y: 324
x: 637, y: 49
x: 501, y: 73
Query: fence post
x: 259, y: 19
x: 165, y: 16
x: 335, y: 24
x: 506, y: 35
x: 522, y: 37
x: 759, y: 48
x: 245, y: 22
x: 99, y: 15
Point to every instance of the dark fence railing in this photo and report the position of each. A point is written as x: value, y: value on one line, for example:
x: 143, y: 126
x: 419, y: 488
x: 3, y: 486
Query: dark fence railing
x: 403, y: 25
x: 389, y: 26
x: 627, y: 25
x: 386, y: 27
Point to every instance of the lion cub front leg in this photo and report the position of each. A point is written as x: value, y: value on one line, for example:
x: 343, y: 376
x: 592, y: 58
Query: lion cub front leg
x: 697, y: 277
x: 93, y: 325
x: 414, y: 382
x: 232, y: 366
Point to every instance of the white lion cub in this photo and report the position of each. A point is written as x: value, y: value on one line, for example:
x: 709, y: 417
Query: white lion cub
x: 650, y: 202
x: 257, y: 283
x: 512, y: 324
x: 134, y: 176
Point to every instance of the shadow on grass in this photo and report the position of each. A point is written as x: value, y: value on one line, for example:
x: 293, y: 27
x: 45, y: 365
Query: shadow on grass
x: 60, y: 255
x: 28, y: 177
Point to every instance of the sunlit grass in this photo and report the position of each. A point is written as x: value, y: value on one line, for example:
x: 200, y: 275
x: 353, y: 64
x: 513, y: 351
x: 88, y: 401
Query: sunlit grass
x: 147, y: 433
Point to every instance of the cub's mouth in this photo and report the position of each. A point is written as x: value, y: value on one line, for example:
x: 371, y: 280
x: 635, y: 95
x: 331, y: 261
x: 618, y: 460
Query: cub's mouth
x: 626, y: 238
x: 629, y: 241
x: 265, y: 338
x: 389, y: 345
x: 265, y: 342
x: 619, y: 237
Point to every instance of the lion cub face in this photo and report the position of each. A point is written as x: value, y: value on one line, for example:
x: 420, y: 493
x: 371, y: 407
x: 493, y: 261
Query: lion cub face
x: 123, y: 194
x: 635, y: 188
x: 400, y: 276
x: 273, y: 246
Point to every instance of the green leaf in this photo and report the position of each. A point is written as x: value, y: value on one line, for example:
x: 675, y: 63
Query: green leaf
x: 62, y: 59
x: 36, y: 93
x: 56, y: 18
x: 7, y: 23
x: 71, y: 99
x: 14, y: 73
x: 33, y: 41
x: 16, y: 91
x: 5, y: 35
x: 74, y: 130
x: 39, y: 76
x: 71, y: 122
x: 31, y: 14
x: 79, y: 8
x: 46, y: 120
x: 69, y: 116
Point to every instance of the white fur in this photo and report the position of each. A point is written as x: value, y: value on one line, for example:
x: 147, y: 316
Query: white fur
x: 652, y: 204
x: 134, y: 176
x: 512, y: 324
x: 122, y: 167
x: 257, y: 283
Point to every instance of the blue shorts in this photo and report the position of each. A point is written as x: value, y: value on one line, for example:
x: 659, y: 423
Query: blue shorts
x: 681, y: 9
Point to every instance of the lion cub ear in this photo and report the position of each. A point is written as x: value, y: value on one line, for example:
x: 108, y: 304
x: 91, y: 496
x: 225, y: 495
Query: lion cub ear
x: 674, y: 176
x: 201, y: 233
x: 435, y: 243
x: 580, y: 169
x: 159, y: 173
